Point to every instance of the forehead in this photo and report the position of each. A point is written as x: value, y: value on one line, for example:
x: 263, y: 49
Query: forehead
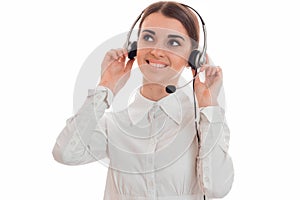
x: 159, y: 21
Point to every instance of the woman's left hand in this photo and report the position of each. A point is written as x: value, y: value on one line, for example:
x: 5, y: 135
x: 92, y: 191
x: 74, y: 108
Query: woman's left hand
x: 207, y: 92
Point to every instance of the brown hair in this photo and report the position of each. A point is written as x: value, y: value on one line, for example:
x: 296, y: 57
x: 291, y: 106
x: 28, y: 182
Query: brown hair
x: 177, y: 11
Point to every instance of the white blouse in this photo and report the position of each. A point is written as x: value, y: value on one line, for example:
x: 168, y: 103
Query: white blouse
x: 150, y: 147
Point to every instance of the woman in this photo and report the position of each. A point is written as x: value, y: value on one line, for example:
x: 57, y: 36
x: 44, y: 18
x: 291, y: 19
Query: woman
x: 152, y: 145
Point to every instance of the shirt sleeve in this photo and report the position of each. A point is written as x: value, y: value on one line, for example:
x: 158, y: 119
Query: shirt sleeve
x: 214, y: 164
x: 84, y: 137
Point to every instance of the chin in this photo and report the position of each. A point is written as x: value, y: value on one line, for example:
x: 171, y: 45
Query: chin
x: 163, y: 79
x: 154, y: 77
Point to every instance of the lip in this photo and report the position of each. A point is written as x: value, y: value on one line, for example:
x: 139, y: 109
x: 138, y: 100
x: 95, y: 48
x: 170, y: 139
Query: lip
x: 157, y: 64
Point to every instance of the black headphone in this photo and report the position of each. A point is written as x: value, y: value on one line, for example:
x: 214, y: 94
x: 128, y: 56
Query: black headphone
x: 197, y: 57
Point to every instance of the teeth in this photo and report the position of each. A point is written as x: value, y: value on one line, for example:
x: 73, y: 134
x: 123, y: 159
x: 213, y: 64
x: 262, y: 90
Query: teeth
x: 158, y: 65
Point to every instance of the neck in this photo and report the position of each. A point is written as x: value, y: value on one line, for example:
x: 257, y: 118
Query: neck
x: 154, y: 91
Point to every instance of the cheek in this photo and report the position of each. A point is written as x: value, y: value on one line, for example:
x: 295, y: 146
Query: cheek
x: 140, y: 55
x: 178, y: 63
x: 180, y: 56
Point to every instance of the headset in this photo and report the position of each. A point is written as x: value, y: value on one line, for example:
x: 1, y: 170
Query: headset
x: 196, y: 59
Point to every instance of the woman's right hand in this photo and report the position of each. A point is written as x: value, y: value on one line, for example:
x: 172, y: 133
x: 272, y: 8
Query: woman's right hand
x: 114, y: 72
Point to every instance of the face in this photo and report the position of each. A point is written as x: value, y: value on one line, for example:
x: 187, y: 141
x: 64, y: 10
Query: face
x: 163, y: 49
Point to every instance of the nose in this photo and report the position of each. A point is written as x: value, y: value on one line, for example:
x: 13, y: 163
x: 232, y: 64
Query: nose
x: 157, y: 52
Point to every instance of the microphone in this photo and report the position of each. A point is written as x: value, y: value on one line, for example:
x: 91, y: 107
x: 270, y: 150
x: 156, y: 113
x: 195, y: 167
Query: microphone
x: 172, y: 88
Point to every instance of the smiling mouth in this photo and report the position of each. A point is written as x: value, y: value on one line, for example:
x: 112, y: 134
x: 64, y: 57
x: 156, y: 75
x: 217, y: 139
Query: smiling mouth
x: 156, y: 65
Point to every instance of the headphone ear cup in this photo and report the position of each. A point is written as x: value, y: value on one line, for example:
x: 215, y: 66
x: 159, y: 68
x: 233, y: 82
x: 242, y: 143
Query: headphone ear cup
x: 132, y: 49
x: 193, y: 59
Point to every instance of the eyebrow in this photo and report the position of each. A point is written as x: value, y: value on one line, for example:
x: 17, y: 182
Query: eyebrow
x: 175, y: 36
x: 169, y: 36
x: 149, y: 31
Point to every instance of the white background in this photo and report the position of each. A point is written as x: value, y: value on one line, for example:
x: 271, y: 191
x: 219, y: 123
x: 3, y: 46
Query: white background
x: 44, y: 43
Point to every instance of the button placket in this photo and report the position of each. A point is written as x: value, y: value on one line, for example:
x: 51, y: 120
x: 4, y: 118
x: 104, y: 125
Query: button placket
x: 151, y: 185
x: 206, y: 173
x: 151, y: 113
x: 150, y: 156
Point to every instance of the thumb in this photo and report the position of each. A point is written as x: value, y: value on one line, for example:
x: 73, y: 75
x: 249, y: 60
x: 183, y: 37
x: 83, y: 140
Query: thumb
x: 129, y: 65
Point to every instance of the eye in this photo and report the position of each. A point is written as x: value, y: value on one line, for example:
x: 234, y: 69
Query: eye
x: 174, y: 43
x: 148, y: 38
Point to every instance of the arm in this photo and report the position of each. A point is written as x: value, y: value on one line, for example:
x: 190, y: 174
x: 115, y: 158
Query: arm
x: 214, y: 165
x: 84, y: 138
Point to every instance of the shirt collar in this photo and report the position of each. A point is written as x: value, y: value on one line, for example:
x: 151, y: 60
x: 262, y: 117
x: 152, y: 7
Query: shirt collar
x: 170, y: 104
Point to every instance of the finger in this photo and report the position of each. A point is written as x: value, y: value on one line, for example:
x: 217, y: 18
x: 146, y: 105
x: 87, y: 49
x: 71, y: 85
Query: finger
x: 113, y: 54
x: 213, y: 71
x: 208, y: 71
x: 203, y: 68
x: 120, y: 52
x: 125, y: 52
x: 122, y: 59
x: 129, y: 65
x: 116, y: 54
x: 121, y: 56
x: 219, y: 72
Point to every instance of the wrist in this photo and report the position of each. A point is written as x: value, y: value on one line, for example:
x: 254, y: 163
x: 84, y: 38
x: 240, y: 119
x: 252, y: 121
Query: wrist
x: 106, y: 84
x: 205, y: 99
